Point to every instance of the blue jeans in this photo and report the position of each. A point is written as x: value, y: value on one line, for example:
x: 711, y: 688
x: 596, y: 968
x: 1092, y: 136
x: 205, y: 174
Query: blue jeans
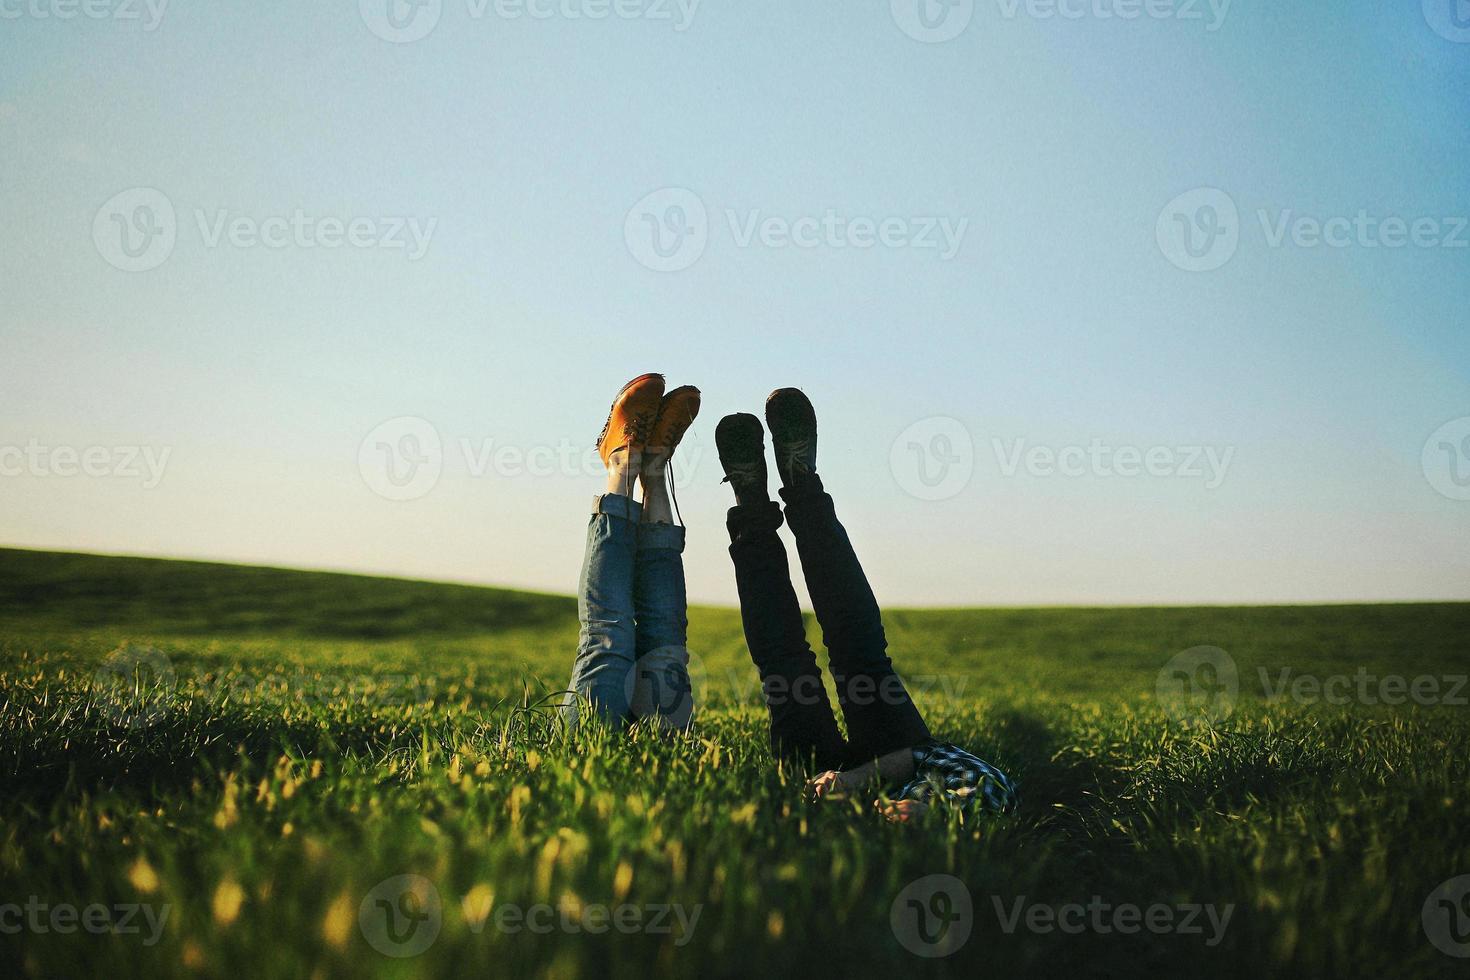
x: 632, y: 660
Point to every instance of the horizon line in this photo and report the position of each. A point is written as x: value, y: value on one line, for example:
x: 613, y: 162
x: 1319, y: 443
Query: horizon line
x: 385, y: 575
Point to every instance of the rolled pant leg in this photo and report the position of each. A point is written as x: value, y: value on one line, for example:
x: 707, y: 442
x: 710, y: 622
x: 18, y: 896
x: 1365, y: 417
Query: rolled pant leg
x: 803, y: 728
x: 659, y: 597
x: 607, y: 645
x: 661, y: 683
x: 880, y: 715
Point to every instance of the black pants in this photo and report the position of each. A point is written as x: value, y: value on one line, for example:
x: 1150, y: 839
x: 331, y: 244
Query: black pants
x: 879, y: 713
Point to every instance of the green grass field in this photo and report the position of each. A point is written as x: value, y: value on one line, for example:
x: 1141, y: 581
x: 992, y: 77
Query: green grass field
x: 297, y: 739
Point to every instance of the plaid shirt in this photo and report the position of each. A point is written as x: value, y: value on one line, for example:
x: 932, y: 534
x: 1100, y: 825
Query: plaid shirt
x: 947, y: 773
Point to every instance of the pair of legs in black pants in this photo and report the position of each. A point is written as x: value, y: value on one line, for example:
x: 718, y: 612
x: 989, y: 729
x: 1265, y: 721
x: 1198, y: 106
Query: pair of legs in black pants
x: 881, y: 718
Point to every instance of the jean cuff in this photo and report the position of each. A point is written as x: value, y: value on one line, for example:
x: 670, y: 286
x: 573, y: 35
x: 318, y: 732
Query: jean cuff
x: 764, y: 516
x: 806, y: 486
x: 617, y: 505
x: 668, y: 537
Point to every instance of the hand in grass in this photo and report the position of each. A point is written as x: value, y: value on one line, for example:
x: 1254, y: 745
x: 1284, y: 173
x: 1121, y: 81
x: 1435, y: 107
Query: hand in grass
x: 901, y: 811
x: 826, y: 786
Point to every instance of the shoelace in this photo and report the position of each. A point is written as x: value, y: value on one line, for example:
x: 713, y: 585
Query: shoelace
x: 747, y: 472
x: 634, y: 433
x: 671, y: 483
x: 673, y: 486
x: 796, y: 456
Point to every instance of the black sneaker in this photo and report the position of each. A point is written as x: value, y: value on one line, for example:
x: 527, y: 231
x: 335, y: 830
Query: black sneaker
x: 793, y: 425
x: 741, y: 443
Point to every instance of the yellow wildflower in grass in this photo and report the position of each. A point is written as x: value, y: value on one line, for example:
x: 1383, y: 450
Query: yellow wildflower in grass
x: 228, y: 898
x: 337, y: 924
x: 622, y: 880
x: 477, y: 903
x: 192, y: 956
x: 142, y: 876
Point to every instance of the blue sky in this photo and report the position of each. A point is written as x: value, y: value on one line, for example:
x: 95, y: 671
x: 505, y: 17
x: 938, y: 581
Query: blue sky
x: 533, y: 155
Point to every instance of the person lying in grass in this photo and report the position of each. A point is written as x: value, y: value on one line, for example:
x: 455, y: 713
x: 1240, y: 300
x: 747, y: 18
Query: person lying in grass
x: 632, y: 661
x: 888, y: 739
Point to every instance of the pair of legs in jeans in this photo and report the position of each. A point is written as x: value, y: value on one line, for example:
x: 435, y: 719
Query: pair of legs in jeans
x: 880, y: 716
x: 631, y: 657
x: 632, y: 660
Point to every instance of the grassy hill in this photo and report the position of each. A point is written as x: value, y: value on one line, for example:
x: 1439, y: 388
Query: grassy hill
x: 260, y: 750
